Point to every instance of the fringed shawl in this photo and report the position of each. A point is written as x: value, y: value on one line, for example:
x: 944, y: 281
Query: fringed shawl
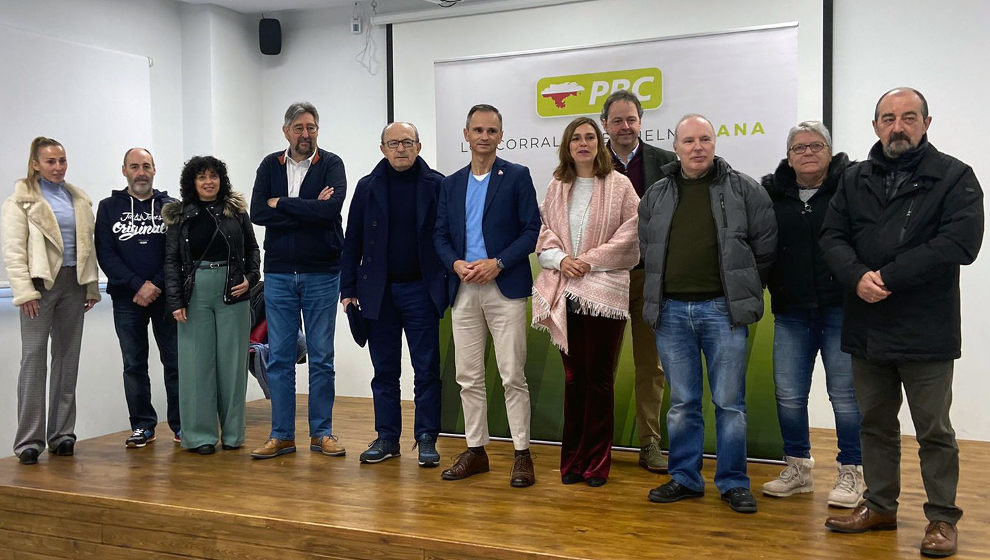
x: 610, y: 241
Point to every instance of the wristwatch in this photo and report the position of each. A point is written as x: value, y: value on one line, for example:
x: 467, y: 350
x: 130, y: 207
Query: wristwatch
x: 499, y: 263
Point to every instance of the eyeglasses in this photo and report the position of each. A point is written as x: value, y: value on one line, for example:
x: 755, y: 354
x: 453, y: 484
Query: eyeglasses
x: 394, y: 144
x: 299, y: 129
x: 814, y: 146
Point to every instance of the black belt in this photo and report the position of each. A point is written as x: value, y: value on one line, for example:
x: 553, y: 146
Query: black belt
x: 214, y: 264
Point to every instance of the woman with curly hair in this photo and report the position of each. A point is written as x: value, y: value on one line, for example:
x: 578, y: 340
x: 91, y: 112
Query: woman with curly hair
x: 211, y: 261
x: 51, y: 264
x: 587, y: 245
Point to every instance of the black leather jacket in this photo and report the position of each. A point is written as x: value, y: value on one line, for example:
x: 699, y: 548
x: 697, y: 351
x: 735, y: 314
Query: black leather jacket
x: 243, y: 255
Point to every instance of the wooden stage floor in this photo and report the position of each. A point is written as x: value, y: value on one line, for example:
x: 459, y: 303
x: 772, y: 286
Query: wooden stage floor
x: 108, y: 502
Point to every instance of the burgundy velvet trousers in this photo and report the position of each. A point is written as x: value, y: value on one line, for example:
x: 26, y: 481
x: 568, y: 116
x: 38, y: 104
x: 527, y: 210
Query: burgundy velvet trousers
x: 589, y: 401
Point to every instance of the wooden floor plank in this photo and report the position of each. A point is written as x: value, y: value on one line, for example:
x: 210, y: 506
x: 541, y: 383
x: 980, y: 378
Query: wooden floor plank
x: 23, y: 555
x: 30, y: 545
x: 307, y: 505
x: 29, y: 522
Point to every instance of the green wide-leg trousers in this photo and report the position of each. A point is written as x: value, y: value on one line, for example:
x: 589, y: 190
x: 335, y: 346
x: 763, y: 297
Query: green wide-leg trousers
x: 213, y: 354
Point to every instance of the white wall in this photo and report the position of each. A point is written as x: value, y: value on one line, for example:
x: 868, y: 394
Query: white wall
x: 236, y: 95
x: 221, y: 77
x: 143, y: 27
x: 933, y: 47
x: 196, y: 119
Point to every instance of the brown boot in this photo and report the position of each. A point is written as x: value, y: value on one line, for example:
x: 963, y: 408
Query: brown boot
x: 523, y: 474
x: 861, y: 520
x: 940, y: 539
x: 467, y: 464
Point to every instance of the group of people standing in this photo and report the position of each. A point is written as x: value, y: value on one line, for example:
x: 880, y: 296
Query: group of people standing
x: 153, y: 249
x: 862, y: 262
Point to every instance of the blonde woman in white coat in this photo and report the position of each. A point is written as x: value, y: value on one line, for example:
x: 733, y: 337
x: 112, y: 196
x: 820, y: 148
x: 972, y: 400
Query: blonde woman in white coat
x: 51, y: 265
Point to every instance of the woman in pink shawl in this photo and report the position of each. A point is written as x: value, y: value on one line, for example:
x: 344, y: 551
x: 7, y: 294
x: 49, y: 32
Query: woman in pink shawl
x: 588, y: 242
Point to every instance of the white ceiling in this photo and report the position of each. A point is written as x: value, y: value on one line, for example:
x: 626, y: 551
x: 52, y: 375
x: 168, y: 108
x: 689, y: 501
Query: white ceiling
x: 264, y: 6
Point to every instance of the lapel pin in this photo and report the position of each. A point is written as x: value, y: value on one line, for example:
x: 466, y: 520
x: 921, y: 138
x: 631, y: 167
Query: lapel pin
x: 499, y: 172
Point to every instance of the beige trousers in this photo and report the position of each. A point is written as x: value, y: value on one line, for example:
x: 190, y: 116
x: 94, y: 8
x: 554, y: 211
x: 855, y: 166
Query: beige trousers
x: 480, y: 309
x: 649, y: 375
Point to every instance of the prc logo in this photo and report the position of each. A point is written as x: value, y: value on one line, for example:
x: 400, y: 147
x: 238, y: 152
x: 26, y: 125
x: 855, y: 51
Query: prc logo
x: 560, y: 92
x: 584, y: 94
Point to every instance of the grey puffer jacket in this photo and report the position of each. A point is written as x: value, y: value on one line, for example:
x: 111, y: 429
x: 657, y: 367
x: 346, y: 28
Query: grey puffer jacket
x: 747, y: 239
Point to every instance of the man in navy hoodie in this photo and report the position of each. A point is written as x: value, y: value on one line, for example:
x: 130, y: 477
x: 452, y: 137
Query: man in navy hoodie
x: 298, y: 194
x: 130, y: 245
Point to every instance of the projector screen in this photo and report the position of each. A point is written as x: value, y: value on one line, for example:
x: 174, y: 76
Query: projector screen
x: 95, y: 101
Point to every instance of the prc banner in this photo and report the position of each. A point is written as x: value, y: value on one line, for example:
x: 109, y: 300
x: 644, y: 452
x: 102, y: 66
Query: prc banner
x: 745, y: 82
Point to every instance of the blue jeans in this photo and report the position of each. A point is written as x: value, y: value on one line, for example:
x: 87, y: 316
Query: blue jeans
x: 798, y: 337
x: 315, y: 294
x: 688, y: 329
x: 130, y: 320
x: 406, y: 307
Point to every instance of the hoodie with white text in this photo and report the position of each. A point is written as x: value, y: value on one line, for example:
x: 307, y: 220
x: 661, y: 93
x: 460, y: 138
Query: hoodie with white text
x: 130, y: 241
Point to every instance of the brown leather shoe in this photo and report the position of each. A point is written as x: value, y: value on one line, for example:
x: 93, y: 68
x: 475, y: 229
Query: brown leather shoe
x: 861, y: 520
x: 327, y: 445
x: 940, y: 539
x: 467, y: 464
x: 273, y: 448
x: 523, y: 474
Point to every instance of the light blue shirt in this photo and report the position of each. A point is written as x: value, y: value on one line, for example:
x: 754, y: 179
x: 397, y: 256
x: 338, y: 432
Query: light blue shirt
x: 60, y: 200
x: 474, y: 209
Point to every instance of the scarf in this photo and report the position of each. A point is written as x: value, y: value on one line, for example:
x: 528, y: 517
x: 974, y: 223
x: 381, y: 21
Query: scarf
x: 898, y: 171
x: 610, y: 241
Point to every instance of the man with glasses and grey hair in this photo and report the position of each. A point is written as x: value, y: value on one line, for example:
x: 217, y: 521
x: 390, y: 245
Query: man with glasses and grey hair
x: 298, y: 195
x: 391, y: 272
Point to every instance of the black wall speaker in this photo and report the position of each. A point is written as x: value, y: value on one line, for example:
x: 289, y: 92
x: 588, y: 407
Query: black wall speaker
x: 270, y: 36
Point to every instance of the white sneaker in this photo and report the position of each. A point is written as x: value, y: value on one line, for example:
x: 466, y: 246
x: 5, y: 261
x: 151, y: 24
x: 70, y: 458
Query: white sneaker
x: 849, y: 487
x: 794, y: 479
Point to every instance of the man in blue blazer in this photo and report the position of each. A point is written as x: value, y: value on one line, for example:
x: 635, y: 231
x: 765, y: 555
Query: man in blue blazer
x: 390, y: 270
x: 488, y: 221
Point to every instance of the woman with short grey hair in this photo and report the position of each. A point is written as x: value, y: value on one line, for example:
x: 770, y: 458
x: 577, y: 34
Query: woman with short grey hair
x: 807, y: 306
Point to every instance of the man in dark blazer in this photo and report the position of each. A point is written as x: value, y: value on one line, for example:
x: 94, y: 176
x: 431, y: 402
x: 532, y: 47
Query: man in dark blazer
x: 487, y: 224
x: 622, y: 116
x: 390, y: 270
